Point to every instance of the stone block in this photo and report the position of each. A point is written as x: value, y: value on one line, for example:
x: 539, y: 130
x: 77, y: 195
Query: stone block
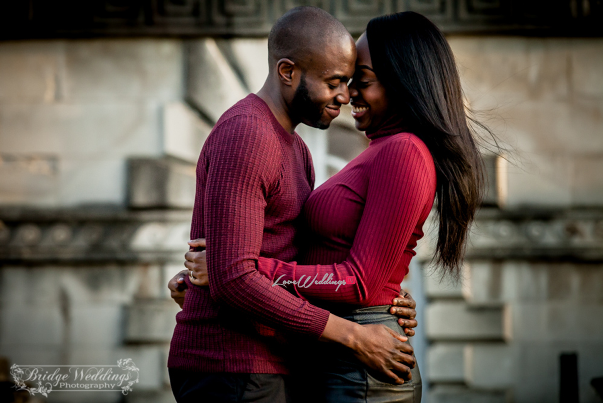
x: 92, y: 182
x: 28, y: 287
x: 34, y: 325
x: 24, y: 354
x: 500, y: 70
x: 213, y: 84
x: 29, y: 179
x: 80, y: 131
x: 587, y: 181
x: 557, y: 321
x: 249, y: 57
x: 31, y: 72
x: 184, y: 132
x: 160, y: 183
x: 542, y: 180
x: 445, y: 363
x: 96, y: 326
x: 114, y: 70
x: 462, y: 394
x: 150, y: 281
x: 437, y: 286
x: 587, y: 64
x: 99, y: 284
x: 489, y: 366
x: 452, y: 320
x: 151, y: 321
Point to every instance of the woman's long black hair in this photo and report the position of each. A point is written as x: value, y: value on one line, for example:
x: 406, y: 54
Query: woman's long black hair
x: 414, y: 62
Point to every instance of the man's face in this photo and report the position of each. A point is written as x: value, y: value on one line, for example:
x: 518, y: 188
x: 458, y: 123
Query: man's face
x: 323, y: 86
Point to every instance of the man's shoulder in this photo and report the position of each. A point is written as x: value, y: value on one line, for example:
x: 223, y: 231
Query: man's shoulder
x: 244, y: 127
x: 247, y: 110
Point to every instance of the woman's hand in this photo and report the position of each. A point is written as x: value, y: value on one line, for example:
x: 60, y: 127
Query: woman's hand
x: 404, y: 308
x: 197, y: 263
x: 178, y: 287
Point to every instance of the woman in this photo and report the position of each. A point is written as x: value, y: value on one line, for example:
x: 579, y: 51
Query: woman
x: 406, y: 95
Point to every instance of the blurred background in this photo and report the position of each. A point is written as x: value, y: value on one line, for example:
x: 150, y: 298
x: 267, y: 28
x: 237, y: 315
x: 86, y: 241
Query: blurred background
x: 105, y: 105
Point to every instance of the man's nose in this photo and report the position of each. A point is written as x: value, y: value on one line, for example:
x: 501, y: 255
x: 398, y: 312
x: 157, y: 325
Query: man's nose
x: 344, y: 96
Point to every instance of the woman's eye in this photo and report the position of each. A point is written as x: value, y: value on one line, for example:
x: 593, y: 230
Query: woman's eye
x: 363, y: 83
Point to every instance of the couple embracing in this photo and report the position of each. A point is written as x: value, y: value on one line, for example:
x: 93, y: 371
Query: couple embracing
x: 253, y: 328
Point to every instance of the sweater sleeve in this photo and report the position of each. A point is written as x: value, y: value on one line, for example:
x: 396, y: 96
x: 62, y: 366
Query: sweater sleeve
x: 241, y: 172
x: 397, y: 194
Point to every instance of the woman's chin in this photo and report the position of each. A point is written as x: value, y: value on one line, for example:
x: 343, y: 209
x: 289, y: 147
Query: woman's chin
x: 360, y: 125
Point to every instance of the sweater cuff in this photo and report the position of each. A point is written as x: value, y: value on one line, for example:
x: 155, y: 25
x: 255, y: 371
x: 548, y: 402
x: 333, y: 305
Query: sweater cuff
x: 317, y: 327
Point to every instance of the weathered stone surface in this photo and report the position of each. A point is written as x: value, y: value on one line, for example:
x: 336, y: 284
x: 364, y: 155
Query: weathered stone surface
x: 249, y: 56
x: 457, y: 321
x: 31, y: 72
x: 557, y: 321
x: 587, y: 64
x: 437, y: 286
x: 462, y: 394
x: 212, y: 84
x: 184, y: 132
x: 99, y: 325
x: 587, y: 183
x: 151, y: 321
x: 20, y: 326
x: 100, y: 70
x: 489, y: 366
x: 445, y: 363
x: 160, y: 183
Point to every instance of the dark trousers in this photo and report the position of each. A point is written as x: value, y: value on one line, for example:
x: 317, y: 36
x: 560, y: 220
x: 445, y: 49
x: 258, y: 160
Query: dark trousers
x: 197, y: 387
x: 325, y: 373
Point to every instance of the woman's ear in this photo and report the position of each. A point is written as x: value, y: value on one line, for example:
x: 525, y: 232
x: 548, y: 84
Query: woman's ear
x: 284, y: 69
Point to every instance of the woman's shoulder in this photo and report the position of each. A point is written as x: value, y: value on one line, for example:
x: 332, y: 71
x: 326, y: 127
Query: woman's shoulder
x: 410, y: 143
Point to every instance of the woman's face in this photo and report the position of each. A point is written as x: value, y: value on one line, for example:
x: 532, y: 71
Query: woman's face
x: 368, y: 97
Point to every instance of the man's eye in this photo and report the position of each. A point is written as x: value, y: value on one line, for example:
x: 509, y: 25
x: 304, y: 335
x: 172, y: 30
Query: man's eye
x: 331, y: 86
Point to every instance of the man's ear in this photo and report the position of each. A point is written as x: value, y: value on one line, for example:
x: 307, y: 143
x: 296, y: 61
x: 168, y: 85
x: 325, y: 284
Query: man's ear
x: 284, y: 70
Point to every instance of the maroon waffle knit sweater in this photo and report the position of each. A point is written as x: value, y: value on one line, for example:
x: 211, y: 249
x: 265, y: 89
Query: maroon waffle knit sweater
x: 253, y: 178
x: 367, y: 218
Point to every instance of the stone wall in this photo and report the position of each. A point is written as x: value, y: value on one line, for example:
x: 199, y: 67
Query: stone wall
x: 544, y: 96
x: 73, y: 112
x: 120, y: 123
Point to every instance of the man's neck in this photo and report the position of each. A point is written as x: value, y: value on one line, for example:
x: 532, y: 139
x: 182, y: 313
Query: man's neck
x: 278, y: 107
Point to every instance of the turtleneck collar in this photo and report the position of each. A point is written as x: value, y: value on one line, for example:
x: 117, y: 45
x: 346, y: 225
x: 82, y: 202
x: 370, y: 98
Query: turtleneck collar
x: 391, y: 125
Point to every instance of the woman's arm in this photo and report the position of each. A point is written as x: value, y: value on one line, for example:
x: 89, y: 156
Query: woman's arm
x: 399, y: 191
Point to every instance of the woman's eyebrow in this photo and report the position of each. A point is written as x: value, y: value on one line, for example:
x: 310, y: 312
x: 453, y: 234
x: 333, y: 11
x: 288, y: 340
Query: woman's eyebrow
x: 364, y: 66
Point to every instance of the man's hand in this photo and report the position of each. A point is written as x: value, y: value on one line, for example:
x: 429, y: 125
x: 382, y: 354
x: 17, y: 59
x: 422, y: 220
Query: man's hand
x: 376, y: 346
x: 197, y: 263
x: 381, y: 349
x: 178, y: 287
x: 404, y: 308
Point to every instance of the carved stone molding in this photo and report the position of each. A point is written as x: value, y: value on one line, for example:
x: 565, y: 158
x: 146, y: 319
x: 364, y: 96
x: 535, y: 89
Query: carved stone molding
x: 160, y: 236
x: 72, y: 18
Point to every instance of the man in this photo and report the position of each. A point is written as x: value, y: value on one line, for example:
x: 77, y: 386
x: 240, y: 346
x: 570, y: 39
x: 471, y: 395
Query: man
x: 253, y: 177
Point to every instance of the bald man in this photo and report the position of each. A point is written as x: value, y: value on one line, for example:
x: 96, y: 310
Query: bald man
x: 253, y: 177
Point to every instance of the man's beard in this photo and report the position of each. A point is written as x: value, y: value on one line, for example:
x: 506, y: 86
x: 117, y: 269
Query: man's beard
x: 305, y: 108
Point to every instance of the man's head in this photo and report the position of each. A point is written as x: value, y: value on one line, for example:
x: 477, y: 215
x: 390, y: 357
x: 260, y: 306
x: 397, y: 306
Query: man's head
x: 312, y: 57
